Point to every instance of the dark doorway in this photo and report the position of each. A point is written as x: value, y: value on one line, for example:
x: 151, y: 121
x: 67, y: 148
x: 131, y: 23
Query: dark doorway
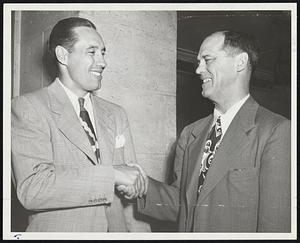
x: 191, y: 106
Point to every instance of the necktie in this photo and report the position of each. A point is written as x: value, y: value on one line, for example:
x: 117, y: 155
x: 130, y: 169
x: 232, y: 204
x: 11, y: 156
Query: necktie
x: 88, y: 128
x: 211, y: 145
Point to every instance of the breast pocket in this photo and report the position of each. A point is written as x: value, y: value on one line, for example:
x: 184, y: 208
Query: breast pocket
x: 242, y: 173
x: 243, y: 186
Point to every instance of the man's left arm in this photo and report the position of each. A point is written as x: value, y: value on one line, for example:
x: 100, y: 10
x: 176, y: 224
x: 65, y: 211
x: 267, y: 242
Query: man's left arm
x: 274, y: 209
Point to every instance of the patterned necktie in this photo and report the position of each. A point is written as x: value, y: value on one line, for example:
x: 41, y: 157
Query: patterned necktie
x: 211, y: 145
x: 88, y: 128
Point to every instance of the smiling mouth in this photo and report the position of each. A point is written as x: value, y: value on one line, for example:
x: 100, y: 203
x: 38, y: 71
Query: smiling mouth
x: 206, y: 80
x: 96, y: 73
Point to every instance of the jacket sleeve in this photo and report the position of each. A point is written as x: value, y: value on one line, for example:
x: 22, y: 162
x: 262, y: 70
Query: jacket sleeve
x: 162, y: 200
x: 275, y: 182
x: 39, y: 184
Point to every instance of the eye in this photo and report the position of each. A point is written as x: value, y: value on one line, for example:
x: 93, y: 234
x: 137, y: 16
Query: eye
x: 209, y: 60
x: 92, y: 52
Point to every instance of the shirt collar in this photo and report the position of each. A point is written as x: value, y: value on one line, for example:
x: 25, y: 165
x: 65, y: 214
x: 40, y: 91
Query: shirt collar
x: 74, y: 98
x: 227, y: 117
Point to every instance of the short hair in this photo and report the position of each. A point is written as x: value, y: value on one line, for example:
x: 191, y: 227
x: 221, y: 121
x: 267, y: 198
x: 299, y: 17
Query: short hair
x: 236, y: 42
x: 63, y: 33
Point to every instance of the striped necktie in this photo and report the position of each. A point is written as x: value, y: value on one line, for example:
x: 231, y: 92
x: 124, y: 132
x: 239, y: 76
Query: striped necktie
x: 211, y: 145
x: 88, y: 128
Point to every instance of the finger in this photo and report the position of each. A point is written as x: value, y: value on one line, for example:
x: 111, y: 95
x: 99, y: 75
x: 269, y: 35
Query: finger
x: 137, y: 186
x: 146, y: 185
x: 138, y: 167
x: 142, y: 187
x: 121, y: 188
x: 129, y: 197
x: 143, y: 178
x: 130, y: 192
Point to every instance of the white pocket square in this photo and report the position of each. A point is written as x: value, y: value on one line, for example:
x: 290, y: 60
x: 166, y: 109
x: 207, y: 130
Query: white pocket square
x: 120, y: 141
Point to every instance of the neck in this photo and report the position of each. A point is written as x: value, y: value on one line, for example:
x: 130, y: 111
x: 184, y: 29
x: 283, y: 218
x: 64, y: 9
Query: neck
x: 224, y: 106
x: 233, y: 94
x: 69, y: 83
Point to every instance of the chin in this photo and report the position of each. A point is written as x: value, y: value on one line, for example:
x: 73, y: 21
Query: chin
x: 204, y: 94
x: 208, y: 93
x: 96, y: 86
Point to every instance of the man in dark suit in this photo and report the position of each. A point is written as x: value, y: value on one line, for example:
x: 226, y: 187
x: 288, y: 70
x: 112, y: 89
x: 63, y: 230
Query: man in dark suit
x: 232, y: 170
x: 69, y: 147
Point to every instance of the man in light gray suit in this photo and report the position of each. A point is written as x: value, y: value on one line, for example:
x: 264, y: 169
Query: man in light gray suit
x: 69, y: 147
x: 232, y: 170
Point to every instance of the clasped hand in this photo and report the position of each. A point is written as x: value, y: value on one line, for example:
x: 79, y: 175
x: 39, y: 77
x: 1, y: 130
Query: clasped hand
x: 131, y: 180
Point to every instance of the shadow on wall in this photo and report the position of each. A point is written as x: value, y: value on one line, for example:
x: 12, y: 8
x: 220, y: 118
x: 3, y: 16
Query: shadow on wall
x: 19, y: 215
x: 50, y: 67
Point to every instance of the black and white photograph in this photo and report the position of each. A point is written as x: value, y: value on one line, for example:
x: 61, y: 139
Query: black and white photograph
x: 150, y: 121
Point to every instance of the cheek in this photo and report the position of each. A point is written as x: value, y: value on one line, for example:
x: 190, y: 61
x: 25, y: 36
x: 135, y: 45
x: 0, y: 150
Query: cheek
x: 223, y: 72
x: 80, y: 61
x: 82, y: 67
x: 214, y: 72
x: 213, y: 69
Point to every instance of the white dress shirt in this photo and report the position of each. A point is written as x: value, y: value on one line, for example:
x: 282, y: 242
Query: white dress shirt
x: 227, y: 117
x: 87, y: 103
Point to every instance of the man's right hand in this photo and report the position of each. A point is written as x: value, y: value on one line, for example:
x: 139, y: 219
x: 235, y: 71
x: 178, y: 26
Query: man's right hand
x: 126, y: 175
x: 139, y: 188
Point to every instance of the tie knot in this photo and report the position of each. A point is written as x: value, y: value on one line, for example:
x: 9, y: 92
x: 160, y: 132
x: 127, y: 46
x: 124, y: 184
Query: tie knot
x: 218, y: 126
x: 218, y: 121
x: 81, y: 103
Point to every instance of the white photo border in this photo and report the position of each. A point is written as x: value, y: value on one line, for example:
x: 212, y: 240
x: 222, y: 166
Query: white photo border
x: 7, y: 69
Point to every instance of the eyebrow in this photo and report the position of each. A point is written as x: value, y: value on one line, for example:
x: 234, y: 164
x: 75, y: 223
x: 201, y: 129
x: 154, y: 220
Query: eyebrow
x: 207, y: 55
x: 204, y: 56
x: 96, y: 47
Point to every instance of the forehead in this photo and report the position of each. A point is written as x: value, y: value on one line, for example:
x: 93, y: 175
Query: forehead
x: 211, y: 45
x: 89, y: 37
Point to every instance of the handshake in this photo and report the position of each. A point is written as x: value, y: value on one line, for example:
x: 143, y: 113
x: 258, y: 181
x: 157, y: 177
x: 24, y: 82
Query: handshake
x: 131, y: 180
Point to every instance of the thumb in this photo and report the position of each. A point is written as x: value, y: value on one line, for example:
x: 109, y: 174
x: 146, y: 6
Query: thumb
x: 139, y: 168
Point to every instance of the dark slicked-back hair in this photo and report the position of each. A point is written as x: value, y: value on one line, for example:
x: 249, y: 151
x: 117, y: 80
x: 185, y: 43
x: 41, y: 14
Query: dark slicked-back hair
x: 237, y: 42
x: 63, y: 33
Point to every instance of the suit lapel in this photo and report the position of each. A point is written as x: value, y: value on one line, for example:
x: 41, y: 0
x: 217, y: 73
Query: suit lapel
x: 195, y: 151
x: 105, y: 127
x: 232, y: 146
x: 67, y: 119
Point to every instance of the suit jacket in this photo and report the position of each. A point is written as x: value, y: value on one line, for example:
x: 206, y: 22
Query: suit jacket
x: 247, y: 187
x: 53, y: 164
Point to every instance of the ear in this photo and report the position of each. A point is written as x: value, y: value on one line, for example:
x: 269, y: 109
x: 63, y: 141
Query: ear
x: 62, y: 55
x: 241, y: 61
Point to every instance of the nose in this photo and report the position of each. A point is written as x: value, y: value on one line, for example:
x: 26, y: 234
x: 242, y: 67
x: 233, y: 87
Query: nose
x: 201, y: 67
x: 100, y: 61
